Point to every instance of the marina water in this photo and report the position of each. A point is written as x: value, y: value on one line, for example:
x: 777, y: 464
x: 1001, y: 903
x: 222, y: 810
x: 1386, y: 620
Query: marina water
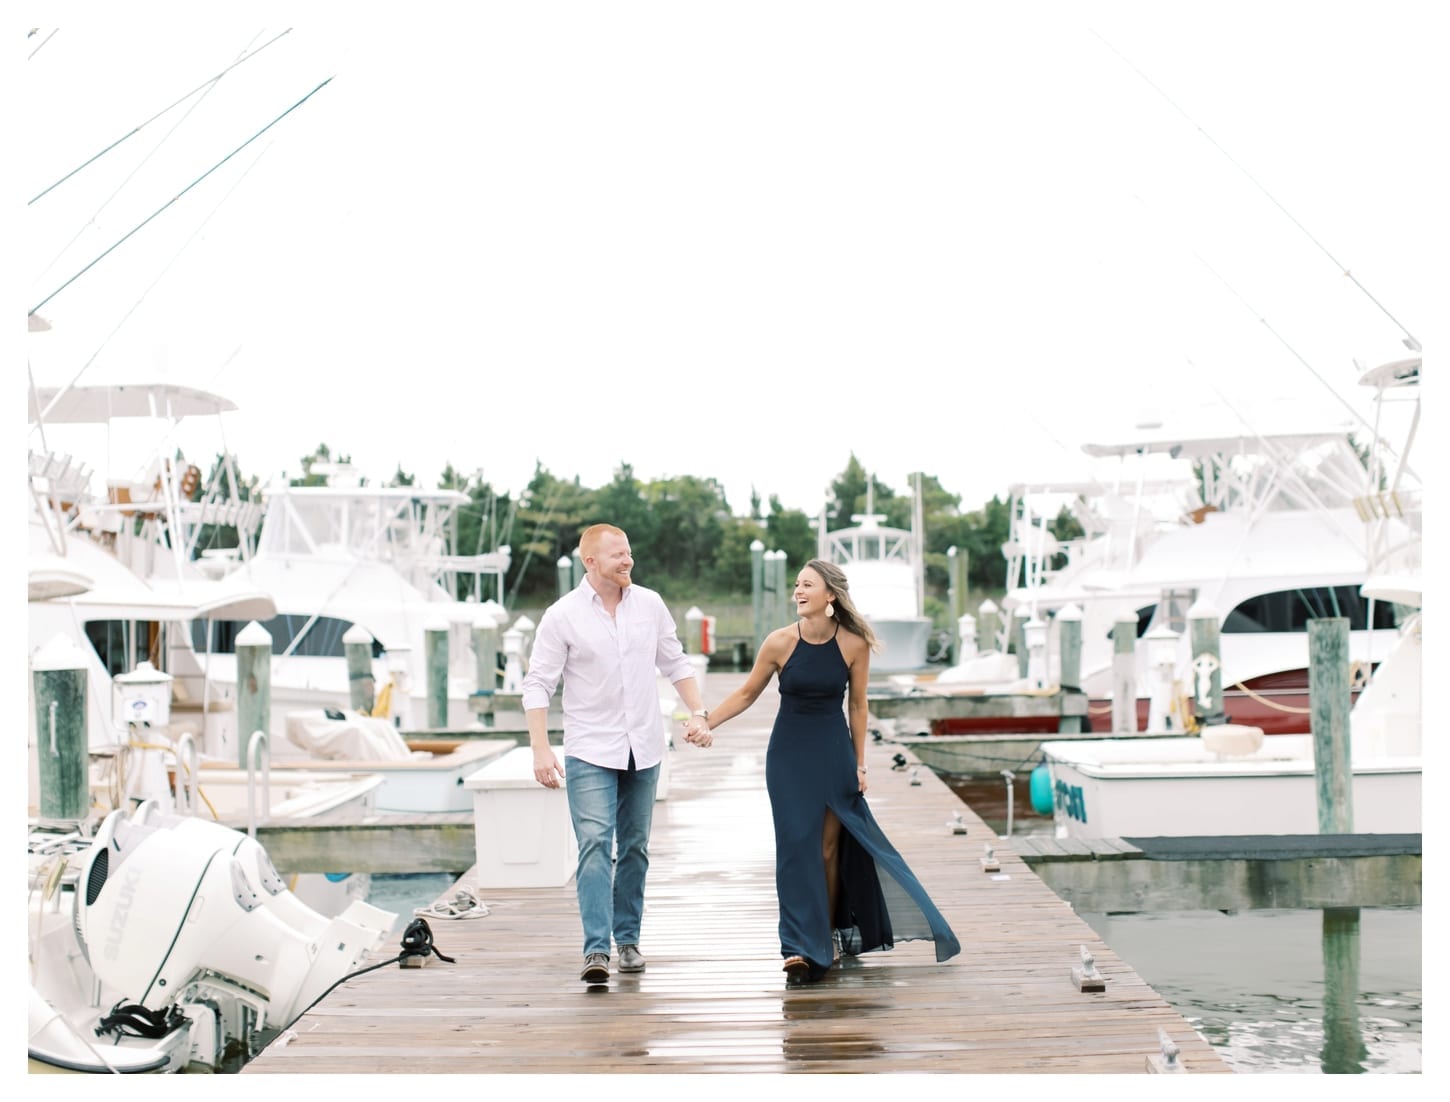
x: 1260, y: 987
x: 1257, y: 985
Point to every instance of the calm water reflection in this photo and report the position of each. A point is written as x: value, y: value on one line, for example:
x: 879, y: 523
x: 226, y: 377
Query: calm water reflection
x: 1275, y: 990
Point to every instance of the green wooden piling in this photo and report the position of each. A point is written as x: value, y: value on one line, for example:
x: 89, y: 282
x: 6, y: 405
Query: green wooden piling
x: 957, y: 593
x: 435, y: 660
x: 254, y: 686
x: 58, y: 680
x: 693, y: 619
x: 576, y: 568
x: 1344, y: 1051
x: 564, y: 569
x: 781, y: 591
x: 1329, y: 722
x: 357, y: 645
x: 1019, y: 639
x: 757, y: 592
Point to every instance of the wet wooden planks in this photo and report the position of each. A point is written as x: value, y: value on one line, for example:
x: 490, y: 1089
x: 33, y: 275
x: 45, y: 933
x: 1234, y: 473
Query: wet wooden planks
x: 713, y: 998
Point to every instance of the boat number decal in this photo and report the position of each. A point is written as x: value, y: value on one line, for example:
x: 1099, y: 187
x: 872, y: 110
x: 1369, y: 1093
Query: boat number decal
x: 1069, y: 800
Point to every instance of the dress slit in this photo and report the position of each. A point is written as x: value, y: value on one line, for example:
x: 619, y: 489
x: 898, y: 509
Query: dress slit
x: 811, y: 769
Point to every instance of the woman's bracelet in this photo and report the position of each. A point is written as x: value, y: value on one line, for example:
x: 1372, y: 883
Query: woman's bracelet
x: 860, y: 769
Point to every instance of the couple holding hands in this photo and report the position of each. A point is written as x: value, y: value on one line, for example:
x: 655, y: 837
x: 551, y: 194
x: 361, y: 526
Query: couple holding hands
x: 841, y: 885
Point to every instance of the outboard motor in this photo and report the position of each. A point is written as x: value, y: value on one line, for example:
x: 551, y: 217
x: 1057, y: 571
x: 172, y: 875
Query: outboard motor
x: 181, y: 910
x: 263, y: 875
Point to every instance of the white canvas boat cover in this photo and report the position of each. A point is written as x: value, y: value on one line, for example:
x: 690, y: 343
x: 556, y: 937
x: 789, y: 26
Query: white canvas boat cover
x: 355, y: 737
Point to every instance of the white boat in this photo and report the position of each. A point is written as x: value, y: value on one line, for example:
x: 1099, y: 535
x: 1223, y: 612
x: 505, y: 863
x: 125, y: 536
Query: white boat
x: 1263, y: 529
x: 114, y: 572
x: 884, y: 567
x: 1228, y: 779
x: 167, y: 944
x: 340, y: 555
x: 330, y: 552
x: 1206, y: 784
x: 130, y: 635
x: 417, y: 777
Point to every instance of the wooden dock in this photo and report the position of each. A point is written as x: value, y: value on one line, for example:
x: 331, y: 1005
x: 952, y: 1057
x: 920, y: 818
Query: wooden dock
x: 713, y: 998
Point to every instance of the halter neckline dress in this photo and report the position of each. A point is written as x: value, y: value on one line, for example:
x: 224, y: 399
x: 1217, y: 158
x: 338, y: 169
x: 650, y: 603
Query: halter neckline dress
x: 810, y: 765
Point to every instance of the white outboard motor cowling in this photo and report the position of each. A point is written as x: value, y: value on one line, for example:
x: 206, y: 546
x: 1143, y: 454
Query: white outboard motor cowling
x: 163, y: 909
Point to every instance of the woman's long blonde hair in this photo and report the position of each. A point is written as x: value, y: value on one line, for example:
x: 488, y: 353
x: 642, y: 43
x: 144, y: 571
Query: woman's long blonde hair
x: 845, y: 609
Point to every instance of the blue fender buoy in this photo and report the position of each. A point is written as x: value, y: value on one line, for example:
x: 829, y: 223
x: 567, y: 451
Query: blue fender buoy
x: 1041, y: 790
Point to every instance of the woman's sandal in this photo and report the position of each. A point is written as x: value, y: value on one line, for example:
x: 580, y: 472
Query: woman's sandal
x: 796, y: 969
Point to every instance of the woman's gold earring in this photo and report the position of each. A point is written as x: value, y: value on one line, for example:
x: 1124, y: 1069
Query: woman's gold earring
x: 830, y: 608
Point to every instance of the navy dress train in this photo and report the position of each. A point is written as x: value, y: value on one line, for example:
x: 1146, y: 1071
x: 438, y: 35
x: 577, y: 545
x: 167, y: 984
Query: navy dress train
x: 810, y: 766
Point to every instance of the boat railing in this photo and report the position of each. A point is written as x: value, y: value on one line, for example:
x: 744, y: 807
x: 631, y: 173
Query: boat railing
x: 259, y: 760
x: 188, y: 787
x: 59, y: 476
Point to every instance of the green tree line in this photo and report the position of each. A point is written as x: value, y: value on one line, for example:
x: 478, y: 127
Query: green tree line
x: 687, y: 541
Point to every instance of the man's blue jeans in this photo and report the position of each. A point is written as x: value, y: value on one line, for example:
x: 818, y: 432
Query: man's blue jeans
x: 610, y: 804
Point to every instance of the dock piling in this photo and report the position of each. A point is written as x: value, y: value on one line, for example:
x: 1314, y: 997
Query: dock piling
x: 58, y: 680
x: 1344, y: 1048
x: 254, y: 684
x: 757, y: 592
x: 1069, y: 647
x: 989, y: 623
x: 513, y: 660
x: 485, y: 651
x: 435, y: 659
x: 1329, y: 722
x: 1034, y: 633
x: 357, y: 645
x: 957, y: 593
x: 781, y: 611
x: 1019, y: 639
x: 1125, y: 675
x: 1207, y: 669
x: 1162, y: 644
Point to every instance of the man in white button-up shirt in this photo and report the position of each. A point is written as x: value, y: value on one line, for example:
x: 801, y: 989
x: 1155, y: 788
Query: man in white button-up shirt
x: 606, y: 639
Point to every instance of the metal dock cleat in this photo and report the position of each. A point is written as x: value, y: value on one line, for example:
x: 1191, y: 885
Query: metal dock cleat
x: 1086, y: 976
x: 1166, y: 1062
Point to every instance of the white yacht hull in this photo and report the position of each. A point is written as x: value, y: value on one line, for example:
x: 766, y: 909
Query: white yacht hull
x: 1155, y: 787
x: 903, y: 644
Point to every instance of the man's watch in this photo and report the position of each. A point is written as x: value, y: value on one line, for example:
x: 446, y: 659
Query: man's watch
x: 703, y: 713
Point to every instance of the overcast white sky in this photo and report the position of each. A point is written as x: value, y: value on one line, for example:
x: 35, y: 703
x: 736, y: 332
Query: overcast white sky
x: 735, y: 240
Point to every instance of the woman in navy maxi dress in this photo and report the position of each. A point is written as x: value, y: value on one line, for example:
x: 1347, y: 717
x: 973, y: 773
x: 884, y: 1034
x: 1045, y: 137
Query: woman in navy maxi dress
x: 841, y: 884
